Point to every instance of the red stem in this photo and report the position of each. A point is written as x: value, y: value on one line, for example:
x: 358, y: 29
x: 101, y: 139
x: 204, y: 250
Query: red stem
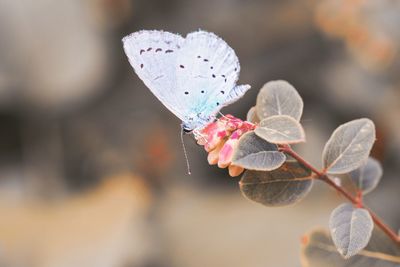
x: 323, y: 177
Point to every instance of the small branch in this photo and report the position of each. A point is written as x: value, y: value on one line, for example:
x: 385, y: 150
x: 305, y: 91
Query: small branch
x: 287, y: 149
x: 355, y: 200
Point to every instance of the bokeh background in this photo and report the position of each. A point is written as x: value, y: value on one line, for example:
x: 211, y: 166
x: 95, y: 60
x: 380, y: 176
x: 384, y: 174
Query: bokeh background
x: 91, y: 167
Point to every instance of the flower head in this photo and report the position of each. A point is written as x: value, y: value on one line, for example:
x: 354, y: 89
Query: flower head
x: 220, y: 139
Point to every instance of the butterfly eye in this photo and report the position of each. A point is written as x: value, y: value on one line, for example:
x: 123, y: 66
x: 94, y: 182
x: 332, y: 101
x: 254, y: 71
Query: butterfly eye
x: 187, y: 131
x: 186, y: 93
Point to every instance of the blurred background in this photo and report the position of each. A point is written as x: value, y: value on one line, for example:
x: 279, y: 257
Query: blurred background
x: 91, y: 167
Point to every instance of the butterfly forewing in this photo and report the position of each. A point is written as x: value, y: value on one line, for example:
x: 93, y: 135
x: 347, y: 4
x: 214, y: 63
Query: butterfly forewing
x: 153, y: 55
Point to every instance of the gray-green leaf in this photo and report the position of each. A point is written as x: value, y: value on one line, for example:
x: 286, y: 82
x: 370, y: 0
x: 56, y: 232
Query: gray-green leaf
x: 281, y: 129
x: 254, y: 153
x: 252, y: 115
x: 279, y: 98
x: 367, y: 176
x: 284, y: 186
x: 351, y: 229
x: 319, y: 251
x: 349, y: 145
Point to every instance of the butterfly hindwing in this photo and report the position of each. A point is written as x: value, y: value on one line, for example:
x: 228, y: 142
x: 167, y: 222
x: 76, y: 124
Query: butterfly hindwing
x: 211, y: 71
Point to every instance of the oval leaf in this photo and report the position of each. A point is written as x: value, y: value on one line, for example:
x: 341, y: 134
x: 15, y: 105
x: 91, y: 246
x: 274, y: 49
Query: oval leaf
x: 351, y: 229
x: 252, y: 115
x: 254, y: 153
x: 284, y: 186
x: 279, y: 98
x: 367, y: 176
x: 280, y: 129
x: 349, y: 145
x: 318, y: 250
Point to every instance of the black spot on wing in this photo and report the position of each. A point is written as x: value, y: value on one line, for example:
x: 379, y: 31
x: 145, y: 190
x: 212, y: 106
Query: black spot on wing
x: 158, y: 50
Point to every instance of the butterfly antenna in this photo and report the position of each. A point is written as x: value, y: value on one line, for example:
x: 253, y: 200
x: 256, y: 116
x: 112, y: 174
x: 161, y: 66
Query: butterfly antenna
x: 185, y: 153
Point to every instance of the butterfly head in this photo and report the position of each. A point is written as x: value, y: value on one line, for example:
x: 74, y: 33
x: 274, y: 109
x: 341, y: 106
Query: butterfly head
x: 189, y: 126
x: 186, y: 130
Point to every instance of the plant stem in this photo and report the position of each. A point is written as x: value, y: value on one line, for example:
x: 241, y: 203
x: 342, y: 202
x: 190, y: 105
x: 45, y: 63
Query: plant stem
x: 323, y: 177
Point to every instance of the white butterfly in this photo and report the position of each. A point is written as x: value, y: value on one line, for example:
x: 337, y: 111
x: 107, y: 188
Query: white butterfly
x: 194, y: 77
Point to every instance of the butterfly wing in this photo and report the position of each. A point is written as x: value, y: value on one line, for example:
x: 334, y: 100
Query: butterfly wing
x: 193, y: 77
x: 206, y: 77
x: 153, y: 56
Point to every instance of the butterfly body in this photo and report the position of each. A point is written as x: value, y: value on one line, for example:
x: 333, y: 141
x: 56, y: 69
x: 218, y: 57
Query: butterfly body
x: 194, y: 77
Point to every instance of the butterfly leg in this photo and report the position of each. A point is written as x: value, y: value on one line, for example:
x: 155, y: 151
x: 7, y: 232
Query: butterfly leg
x: 222, y: 115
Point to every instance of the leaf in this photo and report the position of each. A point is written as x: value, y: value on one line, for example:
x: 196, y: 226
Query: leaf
x: 351, y: 229
x: 281, y: 129
x: 254, y: 153
x: 318, y: 250
x: 349, y: 146
x: 286, y: 185
x: 279, y: 98
x: 252, y: 115
x: 367, y: 176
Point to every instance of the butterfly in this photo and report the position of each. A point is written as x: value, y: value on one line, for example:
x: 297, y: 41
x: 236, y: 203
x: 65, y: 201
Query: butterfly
x: 194, y: 77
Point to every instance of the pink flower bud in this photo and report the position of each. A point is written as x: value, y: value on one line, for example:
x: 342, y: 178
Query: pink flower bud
x: 235, y: 170
x: 213, y: 155
x: 226, y: 153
